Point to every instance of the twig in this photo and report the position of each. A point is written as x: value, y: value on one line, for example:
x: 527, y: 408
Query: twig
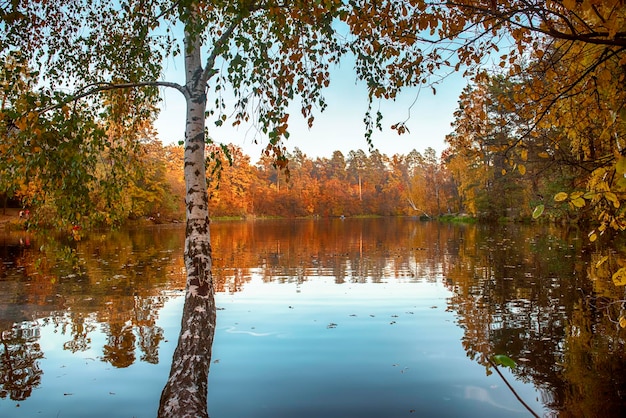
x: 511, y: 388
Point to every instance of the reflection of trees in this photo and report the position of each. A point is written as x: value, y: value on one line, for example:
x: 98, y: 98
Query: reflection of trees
x: 117, y: 279
x: 80, y: 330
x: 594, y: 364
x: 357, y: 251
x: 523, y: 295
x: 19, y: 365
x: 538, y: 296
x: 120, y: 347
x: 150, y: 335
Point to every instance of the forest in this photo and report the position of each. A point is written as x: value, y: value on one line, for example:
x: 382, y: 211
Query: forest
x: 492, y: 170
x: 535, y: 135
x: 538, y: 133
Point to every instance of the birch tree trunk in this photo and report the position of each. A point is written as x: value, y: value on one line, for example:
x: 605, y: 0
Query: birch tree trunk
x: 185, y: 394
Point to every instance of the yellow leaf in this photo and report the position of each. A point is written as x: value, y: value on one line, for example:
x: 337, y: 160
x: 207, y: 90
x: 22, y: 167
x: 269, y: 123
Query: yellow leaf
x: 592, y: 236
x: 622, y: 321
x: 569, y: 4
x: 578, y: 202
x: 620, y: 166
x: 575, y: 195
x: 543, y: 155
x: 522, y: 169
x: 503, y: 172
x: 611, y: 197
x: 620, y: 184
x: 619, y: 277
x: 524, y: 155
x: 602, y: 261
x: 560, y: 196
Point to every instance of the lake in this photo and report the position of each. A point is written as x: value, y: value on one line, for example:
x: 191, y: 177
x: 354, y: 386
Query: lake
x: 318, y: 318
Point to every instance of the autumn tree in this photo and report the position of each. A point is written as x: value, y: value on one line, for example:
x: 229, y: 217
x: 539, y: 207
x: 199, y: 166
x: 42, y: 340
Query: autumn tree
x: 230, y: 179
x: 570, y: 56
x: 426, y: 183
x: 151, y: 187
x: 485, y: 131
x: 173, y: 155
x: 356, y: 166
x: 268, y: 54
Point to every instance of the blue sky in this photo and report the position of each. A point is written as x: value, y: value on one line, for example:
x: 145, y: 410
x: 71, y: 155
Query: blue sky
x: 340, y: 127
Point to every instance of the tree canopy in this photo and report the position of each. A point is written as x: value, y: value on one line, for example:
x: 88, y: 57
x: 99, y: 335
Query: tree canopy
x: 80, y: 82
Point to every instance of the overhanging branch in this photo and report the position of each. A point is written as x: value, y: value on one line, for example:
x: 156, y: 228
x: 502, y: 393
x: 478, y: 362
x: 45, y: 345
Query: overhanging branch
x: 94, y: 88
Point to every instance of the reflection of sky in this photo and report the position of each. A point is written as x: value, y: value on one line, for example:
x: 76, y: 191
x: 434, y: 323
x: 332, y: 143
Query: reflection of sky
x: 318, y: 349
x: 311, y: 349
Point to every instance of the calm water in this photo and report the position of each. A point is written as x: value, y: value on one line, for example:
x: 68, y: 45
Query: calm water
x: 327, y: 318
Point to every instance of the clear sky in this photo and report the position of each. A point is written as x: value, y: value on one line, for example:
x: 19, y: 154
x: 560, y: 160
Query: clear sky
x: 340, y: 126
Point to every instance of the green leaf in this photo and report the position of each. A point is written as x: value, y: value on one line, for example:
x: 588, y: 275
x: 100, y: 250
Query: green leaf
x: 503, y: 360
x: 538, y: 211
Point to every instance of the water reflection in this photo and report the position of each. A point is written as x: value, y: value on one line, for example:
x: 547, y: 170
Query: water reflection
x: 537, y: 294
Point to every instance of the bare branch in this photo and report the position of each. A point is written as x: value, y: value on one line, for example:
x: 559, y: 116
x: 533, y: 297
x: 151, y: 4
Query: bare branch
x: 591, y: 36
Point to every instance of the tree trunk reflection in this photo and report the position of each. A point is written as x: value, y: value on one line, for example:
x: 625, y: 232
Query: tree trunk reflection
x: 186, y: 389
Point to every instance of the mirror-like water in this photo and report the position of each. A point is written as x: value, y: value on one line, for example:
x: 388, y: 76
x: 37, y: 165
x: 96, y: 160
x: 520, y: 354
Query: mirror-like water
x: 326, y: 318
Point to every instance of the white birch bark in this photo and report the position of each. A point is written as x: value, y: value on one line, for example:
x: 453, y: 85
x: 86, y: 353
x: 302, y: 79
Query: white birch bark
x: 185, y: 394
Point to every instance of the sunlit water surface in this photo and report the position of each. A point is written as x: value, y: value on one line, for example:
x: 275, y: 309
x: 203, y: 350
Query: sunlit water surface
x: 354, y: 318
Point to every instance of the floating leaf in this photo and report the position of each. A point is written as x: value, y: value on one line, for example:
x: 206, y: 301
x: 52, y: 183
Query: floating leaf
x: 622, y: 322
x: 503, y: 360
x: 522, y: 169
x: 560, y: 196
x: 593, y: 236
x: 538, y: 211
x: 619, y: 277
